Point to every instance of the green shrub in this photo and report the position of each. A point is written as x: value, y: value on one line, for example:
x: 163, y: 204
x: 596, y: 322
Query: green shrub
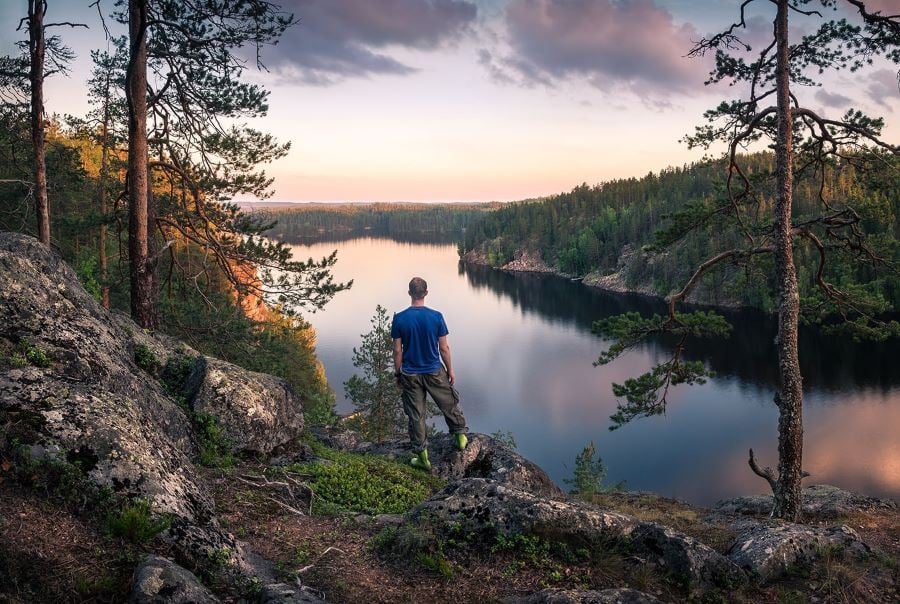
x: 505, y: 438
x: 145, y: 359
x: 215, y: 448
x: 18, y: 360
x: 134, y: 522
x: 350, y: 482
x: 407, y: 545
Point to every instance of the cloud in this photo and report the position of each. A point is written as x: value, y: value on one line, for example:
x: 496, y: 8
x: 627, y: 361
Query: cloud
x: 832, y: 99
x: 337, y: 39
x: 884, y: 88
x: 610, y: 44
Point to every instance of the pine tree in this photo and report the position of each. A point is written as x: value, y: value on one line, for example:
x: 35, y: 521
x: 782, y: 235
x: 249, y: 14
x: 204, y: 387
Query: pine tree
x: 805, y: 144
x: 374, y: 393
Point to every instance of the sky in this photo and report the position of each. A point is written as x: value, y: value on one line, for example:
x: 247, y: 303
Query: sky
x: 480, y: 100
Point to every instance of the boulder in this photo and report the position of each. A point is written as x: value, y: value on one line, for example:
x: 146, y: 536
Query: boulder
x: 484, y: 457
x: 487, y: 508
x: 256, y: 411
x: 88, y: 400
x: 161, y: 581
x: 768, y: 552
x: 820, y: 502
x: 619, y: 595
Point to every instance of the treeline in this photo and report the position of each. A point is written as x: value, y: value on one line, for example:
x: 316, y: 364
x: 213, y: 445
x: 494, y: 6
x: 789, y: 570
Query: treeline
x: 624, y: 226
x: 134, y: 194
x: 404, y: 221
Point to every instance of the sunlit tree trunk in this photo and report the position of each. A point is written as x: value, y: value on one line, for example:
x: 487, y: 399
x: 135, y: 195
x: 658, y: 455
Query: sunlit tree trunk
x: 36, y: 47
x: 790, y: 394
x: 142, y: 299
x: 101, y: 193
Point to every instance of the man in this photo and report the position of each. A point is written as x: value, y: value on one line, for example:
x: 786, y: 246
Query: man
x: 422, y: 364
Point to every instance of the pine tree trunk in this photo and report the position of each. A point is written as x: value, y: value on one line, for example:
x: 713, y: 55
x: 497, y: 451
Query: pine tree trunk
x: 101, y: 192
x: 36, y: 47
x: 790, y: 394
x: 142, y: 300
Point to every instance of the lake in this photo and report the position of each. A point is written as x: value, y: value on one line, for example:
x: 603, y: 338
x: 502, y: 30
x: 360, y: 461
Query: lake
x: 523, y: 351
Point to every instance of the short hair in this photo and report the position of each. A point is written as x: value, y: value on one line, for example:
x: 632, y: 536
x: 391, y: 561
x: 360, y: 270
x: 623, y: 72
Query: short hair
x: 418, y: 288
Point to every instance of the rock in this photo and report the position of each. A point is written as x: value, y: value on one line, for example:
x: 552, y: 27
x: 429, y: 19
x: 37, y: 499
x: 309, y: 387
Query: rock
x: 820, y: 501
x: 484, y: 457
x: 768, y: 552
x: 302, y: 453
x: 281, y: 593
x: 389, y: 519
x: 342, y: 439
x: 526, y: 261
x: 104, y: 414
x: 575, y: 596
x: 161, y: 581
x: 486, y: 508
x: 256, y: 411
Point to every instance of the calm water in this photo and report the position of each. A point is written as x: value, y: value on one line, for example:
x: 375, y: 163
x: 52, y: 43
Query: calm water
x: 522, y: 349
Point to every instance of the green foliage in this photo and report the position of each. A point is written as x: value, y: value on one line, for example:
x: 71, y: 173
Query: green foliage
x: 145, y: 359
x: 589, y: 474
x: 135, y: 522
x: 505, y: 438
x: 645, y: 395
x: 349, y: 482
x: 410, y: 545
x: 533, y: 548
x: 215, y: 448
x: 23, y: 354
x: 88, y: 271
x: 374, y: 393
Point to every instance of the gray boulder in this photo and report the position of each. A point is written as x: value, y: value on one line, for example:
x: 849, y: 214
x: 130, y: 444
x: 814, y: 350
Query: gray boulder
x: 90, y: 401
x: 575, y: 596
x: 768, y: 552
x: 256, y: 411
x: 484, y: 457
x: 487, y: 508
x: 820, y: 502
x: 161, y: 581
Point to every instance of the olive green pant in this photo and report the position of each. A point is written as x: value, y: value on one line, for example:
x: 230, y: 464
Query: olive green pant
x: 415, y: 387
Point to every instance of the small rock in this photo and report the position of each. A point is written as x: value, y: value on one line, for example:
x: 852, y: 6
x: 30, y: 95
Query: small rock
x: 161, y: 581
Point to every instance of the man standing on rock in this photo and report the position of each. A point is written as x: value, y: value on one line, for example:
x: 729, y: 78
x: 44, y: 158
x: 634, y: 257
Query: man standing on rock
x: 420, y: 346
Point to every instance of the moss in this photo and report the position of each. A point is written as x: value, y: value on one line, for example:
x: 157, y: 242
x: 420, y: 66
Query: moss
x: 349, y: 482
x: 135, y: 522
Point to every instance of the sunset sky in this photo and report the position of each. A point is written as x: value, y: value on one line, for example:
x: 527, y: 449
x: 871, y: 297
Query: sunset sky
x: 456, y: 100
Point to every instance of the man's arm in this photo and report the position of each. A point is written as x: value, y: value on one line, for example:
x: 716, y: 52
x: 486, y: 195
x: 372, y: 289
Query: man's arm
x: 444, y: 347
x: 398, y: 355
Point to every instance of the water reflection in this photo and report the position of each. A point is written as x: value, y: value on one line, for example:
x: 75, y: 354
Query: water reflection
x: 827, y: 363
x: 523, y: 351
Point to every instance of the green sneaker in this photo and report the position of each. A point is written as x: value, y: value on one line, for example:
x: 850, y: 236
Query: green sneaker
x: 461, y: 441
x: 421, y: 461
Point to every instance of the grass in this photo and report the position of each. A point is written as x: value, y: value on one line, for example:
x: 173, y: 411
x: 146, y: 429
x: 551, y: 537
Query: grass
x: 350, y: 482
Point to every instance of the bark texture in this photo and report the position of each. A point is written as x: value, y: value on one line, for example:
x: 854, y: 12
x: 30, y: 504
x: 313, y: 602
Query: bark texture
x: 36, y: 49
x: 142, y: 296
x: 790, y: 393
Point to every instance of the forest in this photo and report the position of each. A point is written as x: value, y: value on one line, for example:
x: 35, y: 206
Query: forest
x: 405, y: 221
x: 626, y: 225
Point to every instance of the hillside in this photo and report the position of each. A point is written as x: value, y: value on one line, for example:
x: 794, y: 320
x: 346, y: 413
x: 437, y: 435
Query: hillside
x: 623, y: 235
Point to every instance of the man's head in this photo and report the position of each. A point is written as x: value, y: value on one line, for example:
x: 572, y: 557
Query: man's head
x: 418, y: 289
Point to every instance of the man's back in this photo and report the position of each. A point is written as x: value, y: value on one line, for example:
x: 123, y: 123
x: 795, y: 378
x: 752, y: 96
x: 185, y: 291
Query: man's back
x: 419, y: 328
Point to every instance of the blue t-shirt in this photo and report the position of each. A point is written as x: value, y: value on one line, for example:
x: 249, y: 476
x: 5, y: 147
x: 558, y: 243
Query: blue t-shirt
x: 419, y: 328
